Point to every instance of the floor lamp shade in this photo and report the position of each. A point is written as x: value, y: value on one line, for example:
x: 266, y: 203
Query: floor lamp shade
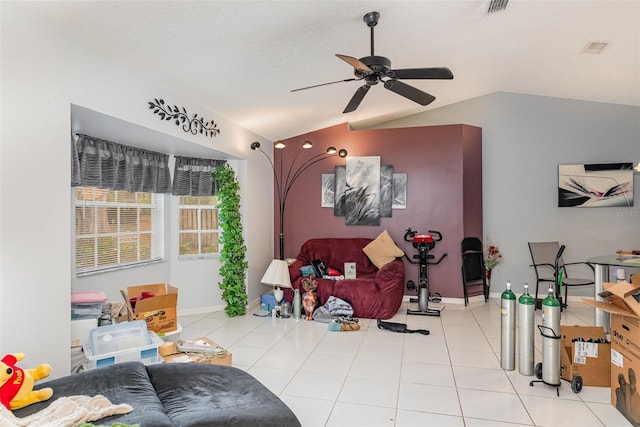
x: 277, y: 275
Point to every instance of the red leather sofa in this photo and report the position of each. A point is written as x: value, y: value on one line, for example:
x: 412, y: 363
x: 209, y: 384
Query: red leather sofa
x: 375, y: 293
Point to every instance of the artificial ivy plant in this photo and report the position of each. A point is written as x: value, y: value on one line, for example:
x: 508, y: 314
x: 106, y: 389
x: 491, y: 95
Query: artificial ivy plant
x: 233, y: 250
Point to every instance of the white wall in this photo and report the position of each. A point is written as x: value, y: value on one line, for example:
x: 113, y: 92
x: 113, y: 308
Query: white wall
x: 524, y: 139
x: 41, y: 77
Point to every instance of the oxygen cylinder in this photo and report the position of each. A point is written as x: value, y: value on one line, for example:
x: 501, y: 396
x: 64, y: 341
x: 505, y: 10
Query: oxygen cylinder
x: 508, y: 329
x: 551, y: 339
x: 297, y: 304
x: 526, y: 343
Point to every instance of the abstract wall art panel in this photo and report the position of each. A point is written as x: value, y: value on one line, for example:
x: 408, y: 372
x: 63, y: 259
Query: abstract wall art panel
x: 595, y: 185
x: 328, y: 190
x: 386, y: 191
x: 399, y: 191
x: 340, y: 173
x: 363, y: 190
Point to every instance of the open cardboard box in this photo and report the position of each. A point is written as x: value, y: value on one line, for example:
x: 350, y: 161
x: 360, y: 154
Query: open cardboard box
x: 159, y: 311
x: 200, y: 358
x: 623, y: 302
x: 589, y: 360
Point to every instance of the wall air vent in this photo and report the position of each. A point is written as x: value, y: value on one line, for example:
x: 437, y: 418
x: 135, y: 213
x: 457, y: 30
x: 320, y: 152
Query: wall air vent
x: 496, y: 6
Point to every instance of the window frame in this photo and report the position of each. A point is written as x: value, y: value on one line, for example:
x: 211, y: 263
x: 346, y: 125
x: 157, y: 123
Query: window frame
x: 199, y: 231
x: 157, y: 249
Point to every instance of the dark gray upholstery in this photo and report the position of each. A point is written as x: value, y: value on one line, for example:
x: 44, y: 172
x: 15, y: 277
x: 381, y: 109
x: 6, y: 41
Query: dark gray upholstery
x: 176, y: 394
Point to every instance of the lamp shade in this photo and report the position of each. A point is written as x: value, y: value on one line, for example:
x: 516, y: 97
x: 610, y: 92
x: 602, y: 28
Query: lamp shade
x: 277, y: 274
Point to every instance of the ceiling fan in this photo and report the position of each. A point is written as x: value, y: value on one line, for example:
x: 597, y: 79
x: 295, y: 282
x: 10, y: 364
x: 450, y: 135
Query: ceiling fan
x: 374, y: 69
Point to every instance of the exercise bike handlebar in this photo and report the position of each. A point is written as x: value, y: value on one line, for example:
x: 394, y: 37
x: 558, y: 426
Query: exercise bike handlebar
x: 428, y: 261
x: 439, y: 259
x: 409, y: 235
x: 435, y: 236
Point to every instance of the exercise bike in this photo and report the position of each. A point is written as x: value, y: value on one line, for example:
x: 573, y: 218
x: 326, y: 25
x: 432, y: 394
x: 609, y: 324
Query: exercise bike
x: 424, y: 243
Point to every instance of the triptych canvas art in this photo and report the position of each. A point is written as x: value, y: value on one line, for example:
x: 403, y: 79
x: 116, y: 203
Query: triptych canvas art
x: 363, y: 191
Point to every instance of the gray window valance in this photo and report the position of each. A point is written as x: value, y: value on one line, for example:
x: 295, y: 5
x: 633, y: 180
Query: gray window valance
x: 112, y: 166
x: 192, y: 176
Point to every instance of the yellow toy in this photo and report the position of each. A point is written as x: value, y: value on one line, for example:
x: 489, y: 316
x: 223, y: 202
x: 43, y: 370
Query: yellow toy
x: 16, y: 384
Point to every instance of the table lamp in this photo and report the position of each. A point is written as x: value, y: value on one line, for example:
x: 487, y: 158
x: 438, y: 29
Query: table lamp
x: 277, y: 275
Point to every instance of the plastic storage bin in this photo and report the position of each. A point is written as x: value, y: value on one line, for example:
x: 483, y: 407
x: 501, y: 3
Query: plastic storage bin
x: 121, y: 336
x: 147, y: 354
x: 87, y: 304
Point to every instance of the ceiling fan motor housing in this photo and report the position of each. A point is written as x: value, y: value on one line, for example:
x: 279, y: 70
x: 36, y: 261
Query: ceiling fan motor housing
x: 378, y: 64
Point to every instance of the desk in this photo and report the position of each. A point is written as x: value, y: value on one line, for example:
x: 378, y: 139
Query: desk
x: 601, y: 265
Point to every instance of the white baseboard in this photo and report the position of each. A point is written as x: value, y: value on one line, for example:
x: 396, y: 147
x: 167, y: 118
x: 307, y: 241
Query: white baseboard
x: 253, y: 304
x: 200, y: 310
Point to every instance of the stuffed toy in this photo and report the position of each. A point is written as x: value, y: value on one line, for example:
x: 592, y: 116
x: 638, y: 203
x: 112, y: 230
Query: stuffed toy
x: 16, y: 384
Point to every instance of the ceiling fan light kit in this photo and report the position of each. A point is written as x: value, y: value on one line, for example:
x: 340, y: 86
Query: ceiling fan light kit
x: 374, y: 69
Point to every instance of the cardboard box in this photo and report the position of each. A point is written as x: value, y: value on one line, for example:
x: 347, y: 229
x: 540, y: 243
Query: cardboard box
x: 623, y: 302
x: 159, y: 311
x: 589, y: 360
x: 200, y: 358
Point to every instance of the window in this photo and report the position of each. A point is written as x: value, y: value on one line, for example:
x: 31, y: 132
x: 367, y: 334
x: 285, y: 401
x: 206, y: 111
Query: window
x: 198, y: 232
x: 116, y: 228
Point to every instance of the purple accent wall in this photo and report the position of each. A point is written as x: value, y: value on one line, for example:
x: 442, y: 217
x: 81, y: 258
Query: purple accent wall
x: 444, y: 192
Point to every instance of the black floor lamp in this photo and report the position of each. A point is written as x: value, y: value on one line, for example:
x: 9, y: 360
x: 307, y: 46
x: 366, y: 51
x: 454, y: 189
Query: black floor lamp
x: 285, y: 182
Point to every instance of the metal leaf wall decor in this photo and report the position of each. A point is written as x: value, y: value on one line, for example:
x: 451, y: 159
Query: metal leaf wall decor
x: 193, y: 125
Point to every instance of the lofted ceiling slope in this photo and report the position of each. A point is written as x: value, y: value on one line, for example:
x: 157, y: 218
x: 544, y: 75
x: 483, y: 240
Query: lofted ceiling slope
x: 241, y: 59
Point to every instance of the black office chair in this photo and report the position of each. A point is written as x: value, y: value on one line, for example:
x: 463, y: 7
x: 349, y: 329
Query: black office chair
x: 473, y: 272
x: 548, y: 262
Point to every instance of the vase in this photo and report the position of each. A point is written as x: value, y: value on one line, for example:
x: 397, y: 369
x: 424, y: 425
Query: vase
x: 297, y: 304
x: 487, y: 274
x: 309, y: 302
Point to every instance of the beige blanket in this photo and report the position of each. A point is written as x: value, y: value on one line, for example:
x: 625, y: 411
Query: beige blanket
x: 66, y: 412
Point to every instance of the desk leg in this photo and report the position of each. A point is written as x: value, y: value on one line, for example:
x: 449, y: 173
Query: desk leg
x: 601, y: 276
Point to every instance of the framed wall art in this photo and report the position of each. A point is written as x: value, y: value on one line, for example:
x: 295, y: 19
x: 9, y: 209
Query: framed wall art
x: 595, y: 185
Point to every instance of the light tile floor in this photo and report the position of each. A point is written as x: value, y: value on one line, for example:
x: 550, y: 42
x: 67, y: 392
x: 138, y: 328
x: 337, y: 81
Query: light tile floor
x: 371, y: 377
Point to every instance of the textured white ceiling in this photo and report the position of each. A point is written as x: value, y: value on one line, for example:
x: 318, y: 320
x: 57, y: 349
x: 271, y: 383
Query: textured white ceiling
x: 242, y: 58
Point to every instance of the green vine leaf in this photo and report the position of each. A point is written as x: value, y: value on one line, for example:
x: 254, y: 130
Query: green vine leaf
x: 233, y: 249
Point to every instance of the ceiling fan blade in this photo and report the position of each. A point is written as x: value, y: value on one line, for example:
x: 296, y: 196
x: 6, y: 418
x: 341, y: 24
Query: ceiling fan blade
x: 324, y: 84
x: 356, y: 99
x: 409, y: 92
x: 423, y: 73
x: 355, y: 63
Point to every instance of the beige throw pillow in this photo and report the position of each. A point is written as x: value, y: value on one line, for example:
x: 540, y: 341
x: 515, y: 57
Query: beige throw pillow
x: 382, y: 250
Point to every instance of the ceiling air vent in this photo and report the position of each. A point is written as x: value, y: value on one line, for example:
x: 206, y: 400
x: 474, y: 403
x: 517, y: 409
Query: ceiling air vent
x: 496, y: 6
x: 595, y: 47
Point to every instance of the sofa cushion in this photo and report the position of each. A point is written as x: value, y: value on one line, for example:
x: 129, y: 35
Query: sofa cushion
x: 201, y: 395
x: 334, y: 252
x: 121, y: 383
x: 382, y: 250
